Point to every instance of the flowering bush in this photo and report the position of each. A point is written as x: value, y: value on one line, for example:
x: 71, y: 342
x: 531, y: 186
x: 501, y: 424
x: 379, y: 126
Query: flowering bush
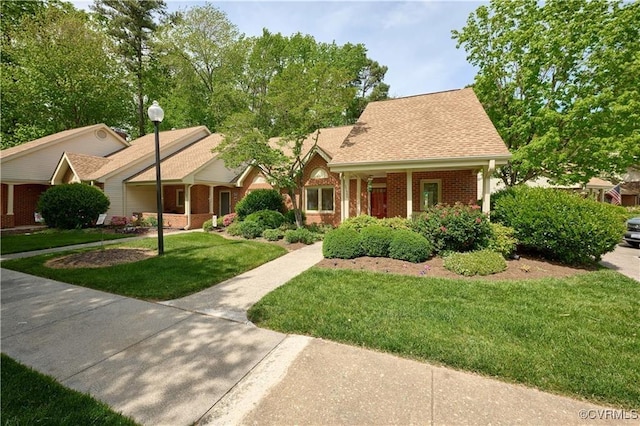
x: 119, y: 221
x: 228, y: 219
x: 454, y: 228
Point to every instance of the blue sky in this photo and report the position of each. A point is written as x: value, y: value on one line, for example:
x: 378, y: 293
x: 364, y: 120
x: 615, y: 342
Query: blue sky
x: 412, y: 38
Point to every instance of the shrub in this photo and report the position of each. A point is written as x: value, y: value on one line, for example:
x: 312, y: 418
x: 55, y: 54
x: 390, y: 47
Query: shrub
x: 260, y: 199
x: 502, y: 240
x: 560, y: 225
x: 250, y: 229
x: 228, y: 219
x: 272, y: 234
x: 410, y: 246
x: 234, y: 229
x: 268, y: 219
x: 290, y: 216
x: 395, y: 223
x: 300, y: 235
x: 359, y: 222
x: 375, y: 240
x: 454, y: 228
x: 208, y: 225
x: 342, y: 243
x: 72, y: 206
x: 119, y: 221
x: 150, y: 222
x: 482, y: 262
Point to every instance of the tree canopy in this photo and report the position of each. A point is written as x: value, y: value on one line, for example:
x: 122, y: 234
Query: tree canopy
x: 561, y: 82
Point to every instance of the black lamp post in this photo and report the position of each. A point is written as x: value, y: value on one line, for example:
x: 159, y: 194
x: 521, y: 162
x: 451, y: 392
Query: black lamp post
x: 156, y: 114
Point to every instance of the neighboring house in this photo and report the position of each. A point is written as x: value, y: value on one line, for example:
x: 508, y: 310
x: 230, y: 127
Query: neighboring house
x: 401, y: 157
x: 26, y: 169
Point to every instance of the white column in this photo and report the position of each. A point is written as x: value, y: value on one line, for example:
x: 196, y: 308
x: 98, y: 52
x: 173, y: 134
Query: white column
x: 347, y: 194
x: 486, y: 190
x: 211, y: 193
x: 409, y: 194
x: 9, y: 198
x: 359, y: 191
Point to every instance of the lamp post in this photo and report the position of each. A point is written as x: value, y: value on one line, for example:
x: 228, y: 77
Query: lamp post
x: 156, y: 114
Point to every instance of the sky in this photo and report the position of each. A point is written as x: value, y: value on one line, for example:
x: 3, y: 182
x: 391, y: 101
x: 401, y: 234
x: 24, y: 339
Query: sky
x: 412, y: 38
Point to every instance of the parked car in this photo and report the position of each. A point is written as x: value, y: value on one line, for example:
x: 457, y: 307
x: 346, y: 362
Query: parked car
x: 632, y: 236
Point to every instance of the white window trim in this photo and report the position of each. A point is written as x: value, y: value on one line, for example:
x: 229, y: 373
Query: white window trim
x: 320, y: 188
x: 422, y: 182
x: 319, y: 171
x: 178, y: 191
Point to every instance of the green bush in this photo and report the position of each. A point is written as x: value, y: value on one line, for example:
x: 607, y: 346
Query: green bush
x: 319, y: 228
x: 290, y: 216
x: 454, y: 228
x: 300, y: 235
x: 560, y: 225
x: 395, y: 222
x: 502, y: 240
x: 208, y: 225
x: 268, y: 219
x: 482, y: 262
x: 272, y: 234
x: 375, y: 240
x: 260, y: 199
x: 410, y: 246
x: 358, y: 223
x: 250, y: 230
x: 342, y: 243
x: 234, y: 229
x: 72, y: 206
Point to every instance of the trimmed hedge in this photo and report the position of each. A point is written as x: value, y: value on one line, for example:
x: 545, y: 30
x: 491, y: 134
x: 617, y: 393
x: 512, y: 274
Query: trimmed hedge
x: 300, y: 235
x: 272, y: 234
x: 410, y: 246
x: 268, y: 219
x: 482, y: 262
x: 72, y: 206
x: 342, y: 243
x: 358, y: 223
x: 560, y: 225
x: 502, y: 240
x: 260, y: 199
x: 375, y: 240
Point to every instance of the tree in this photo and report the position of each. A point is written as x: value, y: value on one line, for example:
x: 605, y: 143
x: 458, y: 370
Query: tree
x: 131, y: 24
x: 370, y: 87
x: 59, y: 77
x: 295, y: 87
x: 560, y: 81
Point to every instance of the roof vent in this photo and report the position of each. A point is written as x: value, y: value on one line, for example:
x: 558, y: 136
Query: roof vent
x: 101, y: 134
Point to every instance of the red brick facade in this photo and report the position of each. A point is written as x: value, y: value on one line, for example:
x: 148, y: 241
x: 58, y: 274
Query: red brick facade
x: 25, y: 204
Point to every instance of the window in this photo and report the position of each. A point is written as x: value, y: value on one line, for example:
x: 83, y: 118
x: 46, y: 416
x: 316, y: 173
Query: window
x: 180, y: 198
x: 319, y: 174
x: 319, y: 199
x: 430, y: 193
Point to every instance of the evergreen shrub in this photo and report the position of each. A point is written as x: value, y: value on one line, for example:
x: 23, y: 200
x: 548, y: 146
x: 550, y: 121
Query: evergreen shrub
x: 376, y: 239
x: 72, y: 206
x: 260, y: 199
x: 342, y: 243
x: 410, y: 246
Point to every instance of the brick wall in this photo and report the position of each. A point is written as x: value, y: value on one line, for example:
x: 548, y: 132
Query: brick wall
x: 332, y: 179
x: 199, y: 199
x: 25, y: 200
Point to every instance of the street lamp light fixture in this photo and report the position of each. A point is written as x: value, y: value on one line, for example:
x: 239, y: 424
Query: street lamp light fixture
x: 156, y: 114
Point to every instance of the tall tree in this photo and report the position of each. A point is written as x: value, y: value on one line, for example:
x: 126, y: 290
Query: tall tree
x: 132, y: 23
x: 59, y: 77
x: 561, y: 82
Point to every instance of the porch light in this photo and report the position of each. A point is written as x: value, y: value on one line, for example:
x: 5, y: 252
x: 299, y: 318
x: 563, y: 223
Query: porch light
x: 156, y: 114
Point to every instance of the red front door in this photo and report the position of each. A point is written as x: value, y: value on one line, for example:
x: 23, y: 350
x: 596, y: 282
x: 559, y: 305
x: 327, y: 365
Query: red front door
x: 379, y: 202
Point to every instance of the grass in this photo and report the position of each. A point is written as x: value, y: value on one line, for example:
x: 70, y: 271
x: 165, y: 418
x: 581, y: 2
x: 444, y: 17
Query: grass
x: 192, y: 262
x: 29, y: 398
x: 51, y: 238
x: 578, y: 336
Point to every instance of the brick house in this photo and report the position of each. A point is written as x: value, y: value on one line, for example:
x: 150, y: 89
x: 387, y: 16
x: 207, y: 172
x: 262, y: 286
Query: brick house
x: 402, y: 156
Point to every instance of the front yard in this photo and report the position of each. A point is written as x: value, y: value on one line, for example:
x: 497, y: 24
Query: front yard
x: 50, y: 238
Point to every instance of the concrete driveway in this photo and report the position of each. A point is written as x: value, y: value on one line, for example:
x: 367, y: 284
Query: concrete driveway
x: 624, y: 259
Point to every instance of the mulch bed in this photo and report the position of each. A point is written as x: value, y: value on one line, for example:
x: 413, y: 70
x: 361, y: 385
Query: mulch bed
x: 100, y: 258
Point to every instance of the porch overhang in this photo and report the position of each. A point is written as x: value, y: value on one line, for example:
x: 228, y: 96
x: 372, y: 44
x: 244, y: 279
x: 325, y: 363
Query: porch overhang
x: 454, y: 163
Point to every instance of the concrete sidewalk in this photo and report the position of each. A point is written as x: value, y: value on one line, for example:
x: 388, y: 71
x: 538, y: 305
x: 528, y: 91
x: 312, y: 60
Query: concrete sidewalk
x: 197, y: 359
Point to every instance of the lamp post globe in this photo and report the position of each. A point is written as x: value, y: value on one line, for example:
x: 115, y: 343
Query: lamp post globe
x: 156, y: 114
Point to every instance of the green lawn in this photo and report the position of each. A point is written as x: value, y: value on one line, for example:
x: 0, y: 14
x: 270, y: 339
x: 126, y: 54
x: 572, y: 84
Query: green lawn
x: 51, y: 238
x: 577, y: 336
x: 30, y: 398
x: 192, y: 262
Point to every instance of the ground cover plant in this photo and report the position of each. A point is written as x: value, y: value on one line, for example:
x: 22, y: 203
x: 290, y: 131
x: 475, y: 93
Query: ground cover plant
x: 576, y: 336
x: 50, y: 238
x: 191, y: 262
x: 481, y: 262
x: 29, y: 397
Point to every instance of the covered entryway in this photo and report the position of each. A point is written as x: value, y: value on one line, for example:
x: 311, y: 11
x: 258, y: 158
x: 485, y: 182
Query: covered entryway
x: 379, y: 202
x: 225, y: 203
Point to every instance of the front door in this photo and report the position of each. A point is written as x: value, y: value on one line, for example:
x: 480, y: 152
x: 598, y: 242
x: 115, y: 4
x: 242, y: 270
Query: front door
x: 225, y: 203
x: 379, y: 202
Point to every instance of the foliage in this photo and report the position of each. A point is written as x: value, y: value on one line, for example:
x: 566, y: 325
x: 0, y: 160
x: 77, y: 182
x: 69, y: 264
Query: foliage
x: 290, y: 216
x: 233, y: 229
x: 28, y: 397
x: 358, y: 223
x: 575, y: 336
x: 395, y: 222
x: 342, y: 243
x: 119, y: 221
x: 410, y: 246
x: 559, y: 81
x: 260, y: 199
x: 228, y: 219
x: 560, y: 225
x: 150, y: 221
x: 207, y: 226
x: 319, y: 228
x: 272, y: 234
x: 376, y: 240
x: 72, y: 206
x: 481, y: 262
x: 250, y: 229
x: 268, y: 219
x: 454, y: 228
x: 502, y: 240
x: 47, y: 90
x: 301, y: 235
